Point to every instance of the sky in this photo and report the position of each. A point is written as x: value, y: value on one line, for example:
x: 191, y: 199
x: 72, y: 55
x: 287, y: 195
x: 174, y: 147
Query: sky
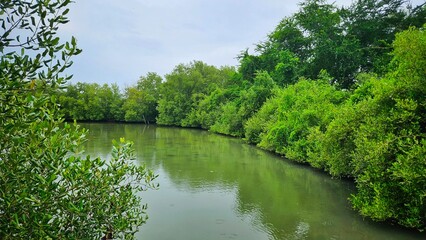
x: 123, y: 40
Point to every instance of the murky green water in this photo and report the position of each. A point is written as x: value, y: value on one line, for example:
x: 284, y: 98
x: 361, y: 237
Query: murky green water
x: 216, y: 187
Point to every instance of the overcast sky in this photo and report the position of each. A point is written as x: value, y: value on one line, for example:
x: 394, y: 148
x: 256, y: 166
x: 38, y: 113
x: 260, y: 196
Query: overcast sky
x: 122, y: 40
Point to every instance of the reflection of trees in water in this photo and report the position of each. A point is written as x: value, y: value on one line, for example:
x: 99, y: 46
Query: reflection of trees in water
x: 280, y: 198
x: 286, y: 200
x: 197, y: 158
x: 101, y: 135
x: 290, y: 198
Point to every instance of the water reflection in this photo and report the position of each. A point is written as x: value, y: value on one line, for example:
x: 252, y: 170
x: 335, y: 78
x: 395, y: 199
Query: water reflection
x: 215, y: 187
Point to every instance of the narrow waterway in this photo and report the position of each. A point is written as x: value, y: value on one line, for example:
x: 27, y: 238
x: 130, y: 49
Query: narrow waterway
x: 217, y: 187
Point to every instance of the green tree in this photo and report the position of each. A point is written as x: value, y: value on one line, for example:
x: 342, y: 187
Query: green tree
x: 94, y: 106
x: 249, y: 64
x: 47, y: 189
x: 390, y: 145
x: 284, y: 122
x: 116, y: 112
x: 242, y: 102
x: 378, y: 137
x: 141, y: 101
x: 374, y: 23
x: 326, y: 44
x: 67, y: 99
x: 91, y: 102
x: 184, y: 88
x: 334, y: 147
x: 151, y: 84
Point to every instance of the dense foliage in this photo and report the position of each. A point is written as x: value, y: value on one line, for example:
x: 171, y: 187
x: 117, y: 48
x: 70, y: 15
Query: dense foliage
x: 48, y: 189
x: 185, y: 86
x: 285, y: 121
x: 375, y: 134
x: 93, y: 102
x: 85, y: 101
x: 341, y: 89
x: 342, y: 41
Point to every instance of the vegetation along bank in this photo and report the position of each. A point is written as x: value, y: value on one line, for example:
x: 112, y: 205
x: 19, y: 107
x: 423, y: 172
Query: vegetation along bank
x: 342, y: 89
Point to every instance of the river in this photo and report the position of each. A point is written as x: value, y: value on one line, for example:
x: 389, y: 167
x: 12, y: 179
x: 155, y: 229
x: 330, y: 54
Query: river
x: 217, y: 187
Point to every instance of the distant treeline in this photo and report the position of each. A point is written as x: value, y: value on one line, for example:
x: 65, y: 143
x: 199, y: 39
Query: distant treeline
x: 343, y: 89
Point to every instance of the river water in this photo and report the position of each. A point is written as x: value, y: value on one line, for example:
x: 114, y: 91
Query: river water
x: 217, y: 187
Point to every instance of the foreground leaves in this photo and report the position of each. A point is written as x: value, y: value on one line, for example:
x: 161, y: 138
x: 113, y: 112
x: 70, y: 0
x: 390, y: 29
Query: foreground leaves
x: 48, y: 190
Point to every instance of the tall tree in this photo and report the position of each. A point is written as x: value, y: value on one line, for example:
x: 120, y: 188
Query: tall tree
x: 184, y: 88
x: 374, y: 23
x: 141, y: 101
x: 116, y: 112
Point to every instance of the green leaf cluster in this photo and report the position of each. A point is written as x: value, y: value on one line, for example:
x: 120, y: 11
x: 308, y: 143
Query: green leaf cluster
x: 287, y: 119
x: 185, y: 87
x: 48, y: 189
x: 91, y: 102
x: 141, y: 101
